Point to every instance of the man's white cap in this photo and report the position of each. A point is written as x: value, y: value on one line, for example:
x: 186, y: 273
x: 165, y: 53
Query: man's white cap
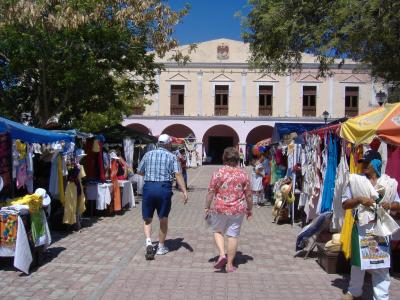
x: 46, y: 200
x: 164, y: 139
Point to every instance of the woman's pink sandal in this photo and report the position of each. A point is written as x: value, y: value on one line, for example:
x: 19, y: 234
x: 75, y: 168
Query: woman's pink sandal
x: 221, y: 262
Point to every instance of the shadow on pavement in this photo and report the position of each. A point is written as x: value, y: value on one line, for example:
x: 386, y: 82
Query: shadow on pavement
x: 240, y: 259
x: 343, y: 284
x: 176, y: 244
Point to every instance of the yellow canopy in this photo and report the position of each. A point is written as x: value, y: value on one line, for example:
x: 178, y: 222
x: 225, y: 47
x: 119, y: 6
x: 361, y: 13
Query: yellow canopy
x: 364, y: 128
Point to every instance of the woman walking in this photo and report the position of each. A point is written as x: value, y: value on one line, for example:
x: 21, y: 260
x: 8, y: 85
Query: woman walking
x: 230, y: 189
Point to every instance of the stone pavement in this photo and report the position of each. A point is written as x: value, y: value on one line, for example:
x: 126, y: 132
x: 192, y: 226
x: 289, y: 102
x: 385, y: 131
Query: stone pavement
x: 106, y: 261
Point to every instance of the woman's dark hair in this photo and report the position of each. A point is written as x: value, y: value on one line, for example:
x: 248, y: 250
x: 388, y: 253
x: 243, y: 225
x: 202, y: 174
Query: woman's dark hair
x: 231, y: 157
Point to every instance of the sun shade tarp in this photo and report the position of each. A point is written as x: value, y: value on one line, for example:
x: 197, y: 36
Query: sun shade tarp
x: 281, y: 129
x: 382, y: 122
x: 31, y: 134
x: 116, y: 134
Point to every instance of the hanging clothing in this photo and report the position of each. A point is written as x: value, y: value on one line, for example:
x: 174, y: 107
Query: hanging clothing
x: 129, y: 147
x: 330, y: 175
x: 60, y: 179
x: 53, y: 183
x: 341, y: 181
x: 116, y: 189
x: 393, y: 169
x: 71, y: 198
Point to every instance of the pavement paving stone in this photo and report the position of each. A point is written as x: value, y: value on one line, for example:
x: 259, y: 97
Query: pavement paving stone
x: 106, y: 260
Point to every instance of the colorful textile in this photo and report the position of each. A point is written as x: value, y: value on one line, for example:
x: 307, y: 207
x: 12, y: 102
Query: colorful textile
x: 37, y: 226
x: 393, y: 169
x: 71, y: 198
x: 33, y: 201
x: 330, y: 175
x: 159, y: 165
x: 116, y: 189
x: 377, y: 165
x: 230, y: 186
x: 8, y: 229
x: 5, y: 161
x: 346, y: 233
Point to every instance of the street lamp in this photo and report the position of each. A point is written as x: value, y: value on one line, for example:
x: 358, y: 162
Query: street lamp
x: 381, y: 96
x: 325, y: 114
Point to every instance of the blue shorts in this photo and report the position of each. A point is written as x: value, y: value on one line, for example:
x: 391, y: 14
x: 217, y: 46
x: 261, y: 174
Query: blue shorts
x: 156, y: 196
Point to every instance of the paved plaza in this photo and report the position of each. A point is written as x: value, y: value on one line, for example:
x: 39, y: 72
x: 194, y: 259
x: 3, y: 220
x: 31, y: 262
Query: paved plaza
x: 106, y: 261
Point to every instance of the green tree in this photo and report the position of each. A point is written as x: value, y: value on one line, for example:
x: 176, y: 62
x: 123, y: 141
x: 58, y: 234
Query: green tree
x: 366, y: 31
x: 86, y: 62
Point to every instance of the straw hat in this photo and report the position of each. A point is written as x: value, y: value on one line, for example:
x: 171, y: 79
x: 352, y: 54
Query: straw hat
x: 334, y: 245
x: 46, y: 200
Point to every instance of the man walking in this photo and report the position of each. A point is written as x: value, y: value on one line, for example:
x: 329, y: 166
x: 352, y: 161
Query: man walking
x: 158, y: 168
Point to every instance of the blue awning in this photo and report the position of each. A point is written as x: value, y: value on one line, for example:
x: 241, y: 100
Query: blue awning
x: 281, y: 129
x: 31, y: 134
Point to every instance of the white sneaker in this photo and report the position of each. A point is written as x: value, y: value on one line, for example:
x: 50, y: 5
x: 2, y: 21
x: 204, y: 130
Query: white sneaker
x: 162, y: 250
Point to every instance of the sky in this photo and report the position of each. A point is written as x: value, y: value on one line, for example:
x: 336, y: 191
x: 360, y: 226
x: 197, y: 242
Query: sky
x: 209, y: 19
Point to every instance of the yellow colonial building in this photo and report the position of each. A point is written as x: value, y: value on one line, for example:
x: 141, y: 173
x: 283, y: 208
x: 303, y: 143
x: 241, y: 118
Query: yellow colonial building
x: 221, y: 101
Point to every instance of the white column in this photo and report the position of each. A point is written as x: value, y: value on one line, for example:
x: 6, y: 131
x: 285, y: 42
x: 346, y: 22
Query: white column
x: 287, y: 108
x: 199, y: 149
x: 158, y: 94
x: 200, y: 93
x: 244, y: 86
x: 373, y: 101
x: 331, y: 112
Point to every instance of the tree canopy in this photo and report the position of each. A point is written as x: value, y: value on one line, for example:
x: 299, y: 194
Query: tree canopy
x: 85, y: 62
x: 366, y: 31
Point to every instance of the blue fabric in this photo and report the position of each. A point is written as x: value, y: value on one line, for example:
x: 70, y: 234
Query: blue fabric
x: 31, y: 134
x: 377, y: 165
x: 159, y: 165
x: 156, y: 196
x: 281, y: 129
x: 316, y: 226
x: 330, y: 176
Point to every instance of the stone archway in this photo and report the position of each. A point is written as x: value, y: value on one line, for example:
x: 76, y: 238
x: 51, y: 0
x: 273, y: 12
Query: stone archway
x: 178, y: 130
x: 216, y: 139
x: 140, y: 128
x: 259, y: 133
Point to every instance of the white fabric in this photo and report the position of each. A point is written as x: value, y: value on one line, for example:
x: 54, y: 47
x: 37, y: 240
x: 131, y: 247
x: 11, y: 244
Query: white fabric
x: 129, y: 148
x: 256, y: 179
x: 388, y: 186
x: 139, y: 182
x: 384, y: 154
x: 127, y: 193
x: 341, y: 182
x: 380, y: 282
x: 360, y: 186
x: 103, y: 195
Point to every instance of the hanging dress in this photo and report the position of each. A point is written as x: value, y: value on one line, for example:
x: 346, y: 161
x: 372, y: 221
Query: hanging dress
x: 114, y: 180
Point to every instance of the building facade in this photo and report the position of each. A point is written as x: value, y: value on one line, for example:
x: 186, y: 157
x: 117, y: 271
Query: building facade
x: 218, y: 99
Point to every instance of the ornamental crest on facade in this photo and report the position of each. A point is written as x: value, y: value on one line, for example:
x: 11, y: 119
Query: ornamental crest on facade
x: 223, y: 51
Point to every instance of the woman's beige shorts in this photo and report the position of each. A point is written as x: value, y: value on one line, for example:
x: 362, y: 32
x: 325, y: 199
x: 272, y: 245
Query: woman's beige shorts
x: 227, y: 224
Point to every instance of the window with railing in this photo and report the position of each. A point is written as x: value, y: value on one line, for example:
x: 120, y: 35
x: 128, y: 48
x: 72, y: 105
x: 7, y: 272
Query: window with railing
x: 309, y: 101
x: 351, y: 101
x: 177, y: 99
x: 221, y: 100
x: 265, y: 93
